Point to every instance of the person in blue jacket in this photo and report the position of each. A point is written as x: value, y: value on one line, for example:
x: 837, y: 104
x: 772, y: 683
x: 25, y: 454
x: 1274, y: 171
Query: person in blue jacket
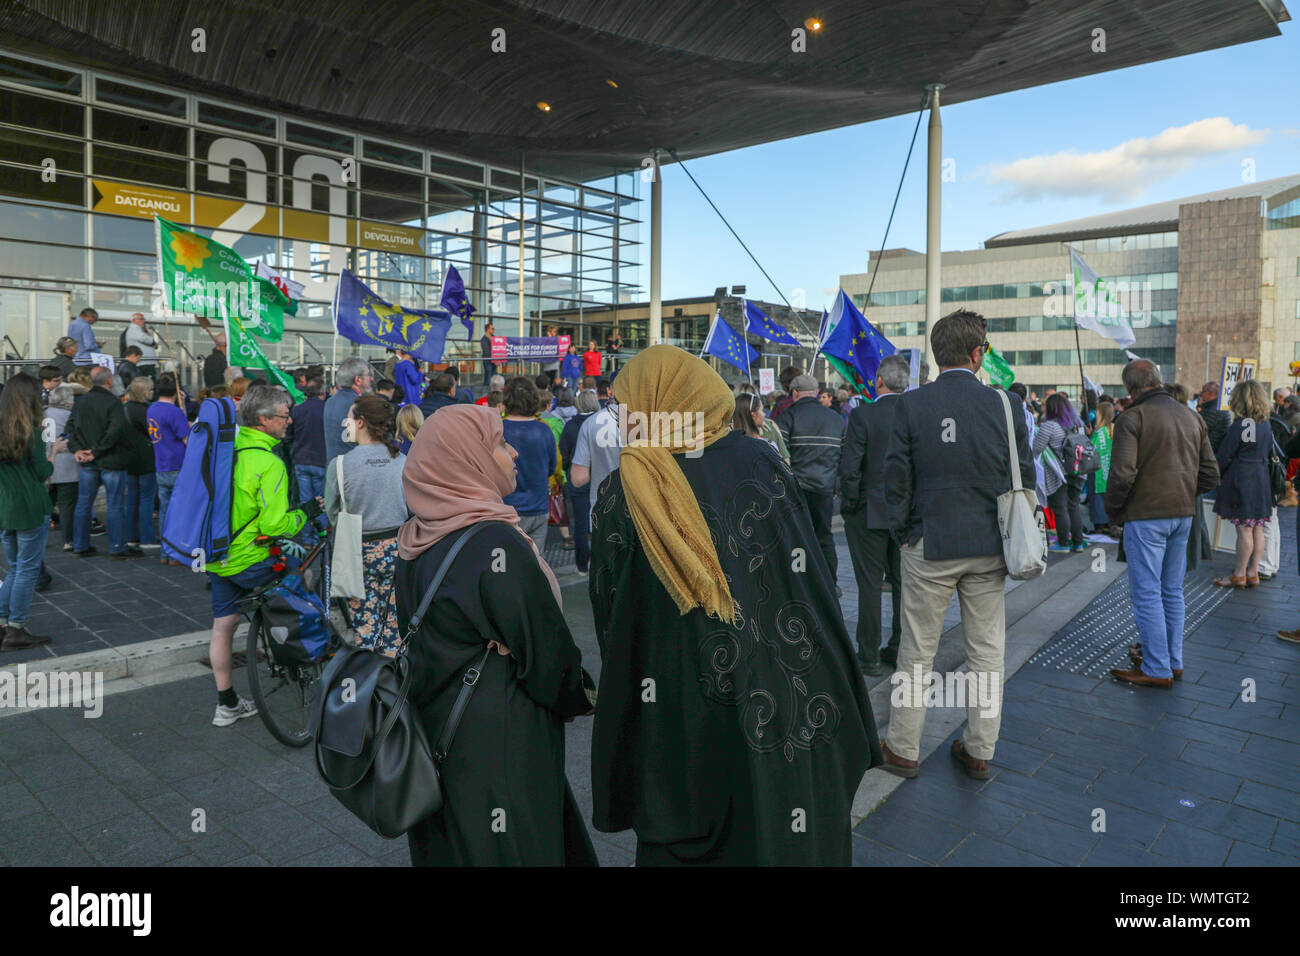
x: 571, y: 368
x: 407, y: 375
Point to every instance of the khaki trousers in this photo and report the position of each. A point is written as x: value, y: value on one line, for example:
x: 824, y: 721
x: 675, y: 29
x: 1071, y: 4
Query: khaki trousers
x: 927, y: 589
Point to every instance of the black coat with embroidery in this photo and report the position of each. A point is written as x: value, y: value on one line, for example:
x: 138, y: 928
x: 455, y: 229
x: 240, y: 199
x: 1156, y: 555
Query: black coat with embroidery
x: 757, y: 736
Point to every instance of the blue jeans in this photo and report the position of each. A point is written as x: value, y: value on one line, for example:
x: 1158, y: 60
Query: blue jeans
x: 166, y: 482
x: 1157, y: 560
x: 25, y: 552
x: 140, y: 492
x: 311, y: 484
x: 88, y: 483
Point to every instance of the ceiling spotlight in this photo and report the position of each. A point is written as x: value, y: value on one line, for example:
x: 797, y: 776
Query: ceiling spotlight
x: 612, y: 83
x: 814, y: 24
x: 544, y: 107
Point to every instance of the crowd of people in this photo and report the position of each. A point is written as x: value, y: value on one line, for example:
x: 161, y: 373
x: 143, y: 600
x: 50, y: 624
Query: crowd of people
x: 711, y: 557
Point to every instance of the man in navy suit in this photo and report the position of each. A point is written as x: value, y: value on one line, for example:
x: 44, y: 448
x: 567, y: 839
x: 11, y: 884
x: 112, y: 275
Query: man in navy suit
x: 873, y: 549
x: 948, y: 460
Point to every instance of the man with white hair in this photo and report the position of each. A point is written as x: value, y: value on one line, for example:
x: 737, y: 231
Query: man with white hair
x: 497, y: 383
x: 137, y: 334
x: 353, y: 379
x: 813, y: 434
x: 873, y: 550
x: 259, y: 505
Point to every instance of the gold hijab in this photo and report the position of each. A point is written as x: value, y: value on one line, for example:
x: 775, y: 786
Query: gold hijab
x: 673, y: 402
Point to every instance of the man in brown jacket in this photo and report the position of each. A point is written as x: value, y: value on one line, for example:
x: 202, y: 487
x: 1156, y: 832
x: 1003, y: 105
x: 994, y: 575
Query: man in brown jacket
x: 1160, y: 460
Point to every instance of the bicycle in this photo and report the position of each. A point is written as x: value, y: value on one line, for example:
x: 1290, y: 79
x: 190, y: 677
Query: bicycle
x: 283, y: 691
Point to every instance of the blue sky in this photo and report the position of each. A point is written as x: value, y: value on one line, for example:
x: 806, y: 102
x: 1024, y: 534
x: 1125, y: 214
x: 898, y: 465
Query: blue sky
x: 811, y: 207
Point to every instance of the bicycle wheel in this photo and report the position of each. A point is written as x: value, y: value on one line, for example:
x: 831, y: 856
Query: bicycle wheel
x: 283, y: 693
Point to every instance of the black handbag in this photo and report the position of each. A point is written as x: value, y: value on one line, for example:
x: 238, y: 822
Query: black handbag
x: 370, y: 744
x: 1277, y: 470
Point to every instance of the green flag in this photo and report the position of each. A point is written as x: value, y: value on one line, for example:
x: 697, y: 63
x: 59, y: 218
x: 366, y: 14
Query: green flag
x: 244, y: 352
x: 204, y: 277
x: 1000, y: 373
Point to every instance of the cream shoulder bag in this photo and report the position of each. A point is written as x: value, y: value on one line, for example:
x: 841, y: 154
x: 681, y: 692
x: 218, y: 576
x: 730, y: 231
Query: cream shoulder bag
x: 347, y: 575
x: 1024, y: 535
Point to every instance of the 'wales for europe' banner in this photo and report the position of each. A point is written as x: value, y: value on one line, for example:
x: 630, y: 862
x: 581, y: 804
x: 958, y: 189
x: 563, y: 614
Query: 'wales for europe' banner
x: 1097, y: 305
x: 203, y: 277
x: 363, y: 317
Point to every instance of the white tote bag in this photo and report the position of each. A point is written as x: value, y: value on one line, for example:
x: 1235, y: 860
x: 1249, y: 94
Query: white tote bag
x: 1024, y: 535
x: 347, y: 577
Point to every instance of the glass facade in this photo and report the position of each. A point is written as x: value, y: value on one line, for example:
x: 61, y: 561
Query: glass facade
x: 86, y: 160
x: 1285, y: 216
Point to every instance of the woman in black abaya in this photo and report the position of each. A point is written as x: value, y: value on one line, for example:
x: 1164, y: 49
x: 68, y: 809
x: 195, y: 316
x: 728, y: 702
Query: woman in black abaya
x: 732, y: 726
x: 507, y: 802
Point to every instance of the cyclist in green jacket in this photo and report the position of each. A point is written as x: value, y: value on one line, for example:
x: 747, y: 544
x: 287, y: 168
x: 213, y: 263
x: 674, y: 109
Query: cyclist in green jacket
x: 259, y: 506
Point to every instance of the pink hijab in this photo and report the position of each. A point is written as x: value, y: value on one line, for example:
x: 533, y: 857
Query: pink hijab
x: 452, y: 480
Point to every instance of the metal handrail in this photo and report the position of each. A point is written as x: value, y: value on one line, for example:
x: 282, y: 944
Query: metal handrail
x: 306, y: 341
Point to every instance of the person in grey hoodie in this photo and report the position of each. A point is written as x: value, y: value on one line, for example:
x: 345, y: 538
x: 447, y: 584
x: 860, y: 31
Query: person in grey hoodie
x: 67, y: 472
x: 372, y: 488
x: 565, y: 409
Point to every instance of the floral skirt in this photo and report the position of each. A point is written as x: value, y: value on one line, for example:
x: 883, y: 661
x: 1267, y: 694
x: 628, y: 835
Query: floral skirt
x: 374, y: 617
x: 1249, y: 522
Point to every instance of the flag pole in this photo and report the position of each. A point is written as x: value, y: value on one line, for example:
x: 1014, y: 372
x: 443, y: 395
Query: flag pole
x: 1078, y: 350
x: 334, y: 343
x: 709, y: 338
x: 1083, y: 381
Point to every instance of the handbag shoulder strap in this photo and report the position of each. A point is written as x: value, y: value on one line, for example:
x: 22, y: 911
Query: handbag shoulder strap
x: 338, y: 466
x: 1014, y: 458
x: 431, y: 591
x: 467, y: 685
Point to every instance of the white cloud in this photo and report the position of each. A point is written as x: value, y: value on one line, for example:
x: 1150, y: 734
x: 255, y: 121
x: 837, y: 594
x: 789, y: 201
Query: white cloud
x: 1126, y: 171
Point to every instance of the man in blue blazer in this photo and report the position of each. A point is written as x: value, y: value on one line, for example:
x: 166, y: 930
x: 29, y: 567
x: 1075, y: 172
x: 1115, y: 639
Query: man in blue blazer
x: 947, y: 463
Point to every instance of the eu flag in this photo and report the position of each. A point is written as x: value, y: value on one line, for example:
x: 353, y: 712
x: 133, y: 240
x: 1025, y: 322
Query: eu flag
x: 855, y: 345
x: 757, y: 323
x: 361, y: 316
x: 725, y: 344
x: 455, y: 301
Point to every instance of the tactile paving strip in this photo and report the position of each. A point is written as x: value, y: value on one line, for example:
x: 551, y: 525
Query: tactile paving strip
x: 1098, y: 638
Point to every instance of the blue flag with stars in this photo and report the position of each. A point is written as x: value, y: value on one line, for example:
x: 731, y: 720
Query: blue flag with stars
x: 725, y: 344
x: 363, y: 317
x: 854, y: 344
x: 757, y: 323
x: 456, y: 301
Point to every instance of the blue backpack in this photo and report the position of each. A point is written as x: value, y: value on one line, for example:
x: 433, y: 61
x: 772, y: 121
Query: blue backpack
x: 297, y: 622
x: 198, y: 519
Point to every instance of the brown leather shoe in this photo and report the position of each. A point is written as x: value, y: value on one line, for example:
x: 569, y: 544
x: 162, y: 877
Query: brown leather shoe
x: 897, y: 765
x: 1141, y: 679
x: 975, y: 769
x: 18, y: 638
x: 1291, y: 636
x: 1135, y: 655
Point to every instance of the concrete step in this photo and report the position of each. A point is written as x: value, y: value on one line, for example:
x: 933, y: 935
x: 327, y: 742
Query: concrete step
x: 113, y: 670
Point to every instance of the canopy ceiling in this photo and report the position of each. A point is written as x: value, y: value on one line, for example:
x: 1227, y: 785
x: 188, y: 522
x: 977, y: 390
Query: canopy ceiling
x: 702, y: 76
